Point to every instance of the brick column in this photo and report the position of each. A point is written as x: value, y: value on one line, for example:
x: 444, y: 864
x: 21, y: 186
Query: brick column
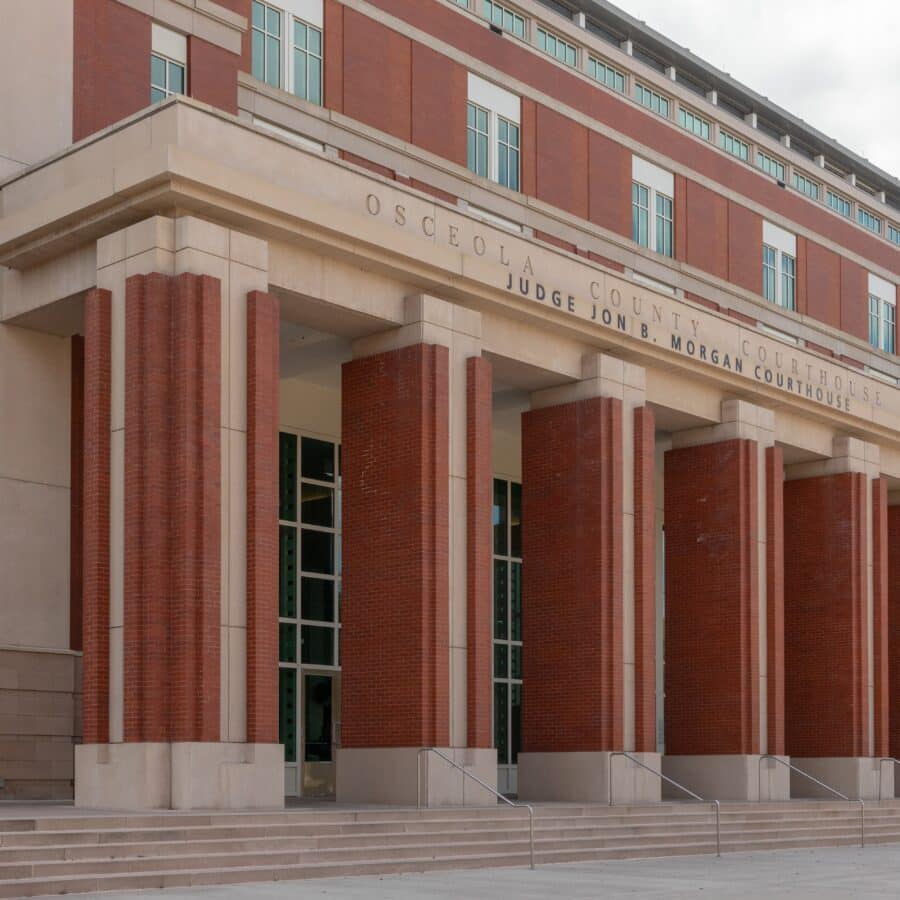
x: 893, y: 615
x: 416, y: 602
x: 177, y: 606
x: 587, y: 513
x: 724, y: 623
x: 835, y: 619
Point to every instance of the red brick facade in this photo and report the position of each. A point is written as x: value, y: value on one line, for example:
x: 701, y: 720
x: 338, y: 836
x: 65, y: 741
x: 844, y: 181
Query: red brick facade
x: 644, y: 581
x: 775, y: 600
x: 893, y: 650
x: 572, y: 504
x: 712, y: 599
x: 172, y: 491
x: 395, y: 605
x: 880, y: 643
x: 479, y: 552
x: 825, y: 584
x: 97, y: 411
x: 76, y: 507
x: 262, y: 518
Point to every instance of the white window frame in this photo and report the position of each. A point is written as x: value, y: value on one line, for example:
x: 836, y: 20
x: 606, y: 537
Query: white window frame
x: 784, y: 244
x: 659, y: 98
x: 308, y: 12
x: 545, y: 35
x: 171, y: 47
x: 499, y: 104
x: 771, y: 165
x: 658, y: 182
x: 505, y: 11
x: 883, y: 304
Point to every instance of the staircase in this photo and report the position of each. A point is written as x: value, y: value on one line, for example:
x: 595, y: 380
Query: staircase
x: 61, y: 851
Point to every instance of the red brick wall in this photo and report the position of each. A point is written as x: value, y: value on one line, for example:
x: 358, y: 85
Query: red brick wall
x: 775, y: 600
x: 479, y: 551
x: 706, y: 231
x: 377, y: 75
x: 712, y: 597
x: 529, y: 147
x: 561, y: 162
x: 395, y: 603
x: 97, y: 383
x: 609, y: 197
x: 111, y: 65
x: 826, y: 649
x: 334, y: 55
x: 880, y: 645
x: 823, y: 279
x: 744, y: 247
x: 644, y: 582
x: 893, y: 650
x: 76, y: 495
x: 212, y: 74
x: 262, y: 518
x: 572, y: 578
x: 172, y: 491
x: 854, y: 299
x: 439, y: 94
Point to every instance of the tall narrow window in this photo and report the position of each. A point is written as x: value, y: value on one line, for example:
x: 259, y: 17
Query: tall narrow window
x: 652, y: 190
x: 882, y: 314
x: 779, y: 266
x: 307, y: 61
x: 493, y: 133
x: 267, y: 43
x: 168, y: 63
x: 507, y: 629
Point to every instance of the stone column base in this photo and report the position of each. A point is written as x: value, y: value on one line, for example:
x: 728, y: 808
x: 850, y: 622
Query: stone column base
x: 735, y: 778
x: 855, y: 776
x: 583, y: 777
x: 134, y: 776
x: 389, y: 775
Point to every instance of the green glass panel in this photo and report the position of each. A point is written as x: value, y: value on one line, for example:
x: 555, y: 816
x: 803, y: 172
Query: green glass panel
x: 500, y: 513
x: 314, y: 38
x: 287, y: 712
x: 317, y: 505
x: 157, y: 72
x: 157, y: 95
x: 515, y: 601
x: 259, y: 55
x: 300, y: 85
x: 317, y: 599
x: 515, y: 662
x: 501, y: 601
x: 515, y: 723
x: 317, y: 728
x: 273, y: 62
x: 317, y: 646
x: 515, y: 520
x: 300, y: 35
x: 317, y: 459
x: 259, y: 15
x: 314, y: 91
x: 287, y: 477
x: 287, y: 581
x: 273, y: 21
x: 501, y: 721
x: 176, y: 78
x: 287, y: 642
x: 501, y: 661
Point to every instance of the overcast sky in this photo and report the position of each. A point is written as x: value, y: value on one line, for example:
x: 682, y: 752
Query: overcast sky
x: 832, y: 63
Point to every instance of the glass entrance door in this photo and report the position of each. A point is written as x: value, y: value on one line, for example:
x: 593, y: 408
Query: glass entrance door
x: 321, y: 732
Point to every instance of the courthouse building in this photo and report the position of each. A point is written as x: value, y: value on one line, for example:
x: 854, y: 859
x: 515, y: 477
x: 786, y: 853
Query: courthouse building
x: 496, y: 377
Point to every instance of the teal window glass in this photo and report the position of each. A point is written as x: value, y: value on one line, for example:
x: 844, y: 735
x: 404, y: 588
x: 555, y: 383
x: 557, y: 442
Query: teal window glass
x: 167, y: 77
x: 770, y: 272
x: 477, y: 139
x: 893, y: 233
x: 503, y: 18
x: 788, y: 281
x: 265, y: 43
x: 640, y: 214
x: 839, y: 204
x: 806, y: 186
x: 664, y: 225
x: 652, y: 100
x: 735, y: 146
x: 882, y: 324
x: 770, y: 165
x: 507, y: 154
x: 556, y: 47
x: 307, y: 62
x: 690, y: 121
x: 606, y: 74
x: 868, y: 220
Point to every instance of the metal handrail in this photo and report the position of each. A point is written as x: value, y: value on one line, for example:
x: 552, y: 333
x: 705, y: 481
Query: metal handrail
x: 715, y: 803
x: 476, y: 779
x: 828, y: 787
x: 881, y: 761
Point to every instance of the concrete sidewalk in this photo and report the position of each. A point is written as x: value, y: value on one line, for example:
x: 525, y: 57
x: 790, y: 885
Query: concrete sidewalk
x: 823, y: 874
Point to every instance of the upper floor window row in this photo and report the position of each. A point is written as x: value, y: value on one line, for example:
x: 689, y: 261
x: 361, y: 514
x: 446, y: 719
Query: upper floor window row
x: 287, y: 46
x: 652, y: 100
x: 690, y: 121
x: 806, y: 186
x: 893, y: 234
x: 839, y: 204
x: 734, y: 145
x: 168, y: 63
x: 501, y: 16
x: 868, y: 220
x: 606, y: 74
x: 493, y: 132
x: 557, y: 47
x: 770, y: 165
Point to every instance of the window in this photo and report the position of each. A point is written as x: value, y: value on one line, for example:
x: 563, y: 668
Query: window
x: 652, y: 190
x: 770, y: 165
x: 309, y: 577
x: 288, y: 46
x: 735, y: 146
x: 507, y: 626
x: 868, y: 220
x: 779, y: 266
x: 806, y: 186
x: 606, y: 74
x: 562, y: 50
x: 504, y: 18
x: 838, y: 204
x: 690, y: 121
x: 267, y: 44
x: 168, y: 63
x: 893, y: 233
x: 493, y: 134
x: 882, y: 313
x: 653, y: 101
